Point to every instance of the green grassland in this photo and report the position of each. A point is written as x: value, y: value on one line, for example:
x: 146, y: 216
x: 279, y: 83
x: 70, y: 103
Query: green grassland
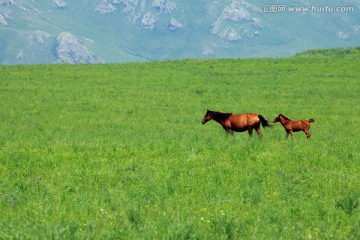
x: 118, y: 151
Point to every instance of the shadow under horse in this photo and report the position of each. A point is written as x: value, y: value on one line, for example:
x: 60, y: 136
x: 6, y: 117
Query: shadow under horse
x: 237, y: 122
x: 292, y: 126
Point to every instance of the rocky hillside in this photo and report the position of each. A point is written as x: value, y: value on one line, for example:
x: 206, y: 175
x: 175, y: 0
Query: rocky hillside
x: 70, y: 50
x: 99, y: 31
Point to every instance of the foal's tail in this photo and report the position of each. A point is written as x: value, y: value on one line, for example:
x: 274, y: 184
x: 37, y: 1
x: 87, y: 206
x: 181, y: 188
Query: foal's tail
x: 264, y: 122
x: 311, y: 120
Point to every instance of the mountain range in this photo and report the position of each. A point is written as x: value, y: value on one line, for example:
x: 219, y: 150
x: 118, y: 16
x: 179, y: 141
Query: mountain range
x: 109, y: 31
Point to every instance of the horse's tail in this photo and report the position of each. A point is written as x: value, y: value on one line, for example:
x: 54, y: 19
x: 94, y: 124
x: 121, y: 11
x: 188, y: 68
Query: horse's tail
x: 264, y: 122
x: 311, y: 120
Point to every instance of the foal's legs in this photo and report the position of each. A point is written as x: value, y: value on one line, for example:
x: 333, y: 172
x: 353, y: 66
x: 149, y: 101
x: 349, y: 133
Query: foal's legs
x: 308, y: 135
x: 292, y: 135
x: 287, y: 135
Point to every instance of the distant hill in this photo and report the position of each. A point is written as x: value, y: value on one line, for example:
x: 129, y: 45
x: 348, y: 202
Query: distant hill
x: 329, y: 52
x: 106, y: 31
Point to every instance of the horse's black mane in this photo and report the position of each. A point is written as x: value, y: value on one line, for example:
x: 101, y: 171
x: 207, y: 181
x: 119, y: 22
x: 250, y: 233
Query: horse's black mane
x: 220, y: 115
x: 285, y: 117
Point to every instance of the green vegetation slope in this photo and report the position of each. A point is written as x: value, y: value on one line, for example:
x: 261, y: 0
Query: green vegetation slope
x: 118, y: 151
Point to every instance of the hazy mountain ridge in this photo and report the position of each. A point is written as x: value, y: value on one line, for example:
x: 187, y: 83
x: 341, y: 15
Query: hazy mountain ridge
x: 64, y: 31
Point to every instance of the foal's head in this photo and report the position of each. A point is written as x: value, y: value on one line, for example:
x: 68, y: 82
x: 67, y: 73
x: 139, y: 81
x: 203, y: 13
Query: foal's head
x: 277, y: 119
x: 208, y: 116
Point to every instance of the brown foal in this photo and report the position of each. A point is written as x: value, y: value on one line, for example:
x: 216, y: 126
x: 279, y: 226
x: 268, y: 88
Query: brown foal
x: 294, y: 126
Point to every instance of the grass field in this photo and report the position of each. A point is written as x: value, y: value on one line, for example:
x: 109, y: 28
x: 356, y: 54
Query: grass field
x: 118, y: 151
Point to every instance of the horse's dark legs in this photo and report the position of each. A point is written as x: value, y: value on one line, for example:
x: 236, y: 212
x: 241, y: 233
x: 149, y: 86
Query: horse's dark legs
x: 229, y: 131
x: 259, y: 132
x: 250, y: 131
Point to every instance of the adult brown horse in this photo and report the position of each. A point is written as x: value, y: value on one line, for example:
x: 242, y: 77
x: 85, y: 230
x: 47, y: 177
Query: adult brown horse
x: 294, y: 126
x: 237, y: 122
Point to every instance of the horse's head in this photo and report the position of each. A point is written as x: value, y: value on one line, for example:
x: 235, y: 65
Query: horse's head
x: 208, y: 116
x: 277, y: 119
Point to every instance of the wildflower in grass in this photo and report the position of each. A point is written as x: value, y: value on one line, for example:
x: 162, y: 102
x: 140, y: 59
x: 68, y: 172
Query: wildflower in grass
x: 103, y: 212
x: 203, y: 219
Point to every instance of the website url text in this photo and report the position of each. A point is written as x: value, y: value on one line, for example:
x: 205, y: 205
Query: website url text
x: 278, y: 8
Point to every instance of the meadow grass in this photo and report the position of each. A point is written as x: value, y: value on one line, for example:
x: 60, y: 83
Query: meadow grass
x: 117, y: 151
